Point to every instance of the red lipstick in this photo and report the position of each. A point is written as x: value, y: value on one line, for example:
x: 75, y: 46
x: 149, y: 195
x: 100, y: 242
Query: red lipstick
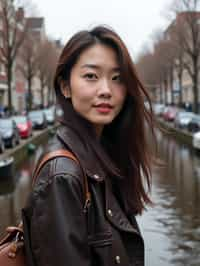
x: 104, y: 108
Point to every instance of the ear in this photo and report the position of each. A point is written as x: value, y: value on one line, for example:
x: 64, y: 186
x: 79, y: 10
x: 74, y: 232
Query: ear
x: 65, y: 89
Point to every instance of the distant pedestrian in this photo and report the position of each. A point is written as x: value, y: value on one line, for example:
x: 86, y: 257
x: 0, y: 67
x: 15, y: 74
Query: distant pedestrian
x: 103, y: 126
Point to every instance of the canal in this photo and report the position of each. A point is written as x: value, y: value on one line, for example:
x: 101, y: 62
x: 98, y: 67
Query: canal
x: 171, y: 228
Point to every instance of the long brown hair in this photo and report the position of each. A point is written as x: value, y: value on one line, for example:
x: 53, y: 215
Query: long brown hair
x: 124, y: 139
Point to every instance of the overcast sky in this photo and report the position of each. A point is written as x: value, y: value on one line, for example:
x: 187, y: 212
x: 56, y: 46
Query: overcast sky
x: 133, y: 20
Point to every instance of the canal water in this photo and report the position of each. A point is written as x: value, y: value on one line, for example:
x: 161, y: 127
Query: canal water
x: 171, y: 227
x: 14, y: 192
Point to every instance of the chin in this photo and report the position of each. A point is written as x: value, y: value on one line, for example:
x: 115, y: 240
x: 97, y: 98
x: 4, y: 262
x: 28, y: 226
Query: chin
x: 102, y: 121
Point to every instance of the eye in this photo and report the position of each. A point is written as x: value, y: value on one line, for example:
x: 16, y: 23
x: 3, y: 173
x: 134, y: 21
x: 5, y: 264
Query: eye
x: 117, y: 78
x: 90, y: 76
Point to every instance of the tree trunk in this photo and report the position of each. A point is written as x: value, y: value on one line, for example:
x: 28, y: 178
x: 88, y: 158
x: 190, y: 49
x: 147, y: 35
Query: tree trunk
x: 160, y: 92
x: 49, y: 96
x: 165, y: 92
x: 29, y: 105
x: 42, y: 98
x: 171, y: 84
x: 195, y: 103
x: 196, y: 94
x: 195, y: 86
x: 180, y: 81
x: 9, y: 81
x: 42, y: 94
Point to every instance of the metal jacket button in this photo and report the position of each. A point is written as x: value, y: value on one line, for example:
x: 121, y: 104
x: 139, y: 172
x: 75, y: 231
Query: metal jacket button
x: 117, y: 259
x: 96, y: 176
x: 110, y: 212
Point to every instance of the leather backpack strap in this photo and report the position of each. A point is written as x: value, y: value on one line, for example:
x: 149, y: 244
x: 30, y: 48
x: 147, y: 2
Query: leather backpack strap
x: 68, y: 154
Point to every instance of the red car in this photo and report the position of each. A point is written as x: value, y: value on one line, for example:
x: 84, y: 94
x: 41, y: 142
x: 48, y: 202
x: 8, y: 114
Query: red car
x: 24, y: 125
x: 170, y: 113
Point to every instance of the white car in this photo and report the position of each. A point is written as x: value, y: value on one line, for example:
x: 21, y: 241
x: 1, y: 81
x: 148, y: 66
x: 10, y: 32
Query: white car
x: 158, y: 109
x: 196, y: 140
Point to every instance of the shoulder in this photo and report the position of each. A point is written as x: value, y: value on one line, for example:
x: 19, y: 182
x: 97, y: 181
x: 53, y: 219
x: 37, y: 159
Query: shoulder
x: 59, y: 169
x: 60, y: 181
x: 58, y: 165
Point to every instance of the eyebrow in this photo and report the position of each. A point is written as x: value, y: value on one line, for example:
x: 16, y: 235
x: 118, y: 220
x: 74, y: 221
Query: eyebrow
x: 98, y: 67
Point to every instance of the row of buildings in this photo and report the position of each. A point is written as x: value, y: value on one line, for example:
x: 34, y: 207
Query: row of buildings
x: 35, y: 27
x: 171, y: 70
x: 183, y: 34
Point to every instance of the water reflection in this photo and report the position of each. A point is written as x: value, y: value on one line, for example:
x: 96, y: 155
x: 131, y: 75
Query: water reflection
x: 14, y: 192
x: 173, y: 225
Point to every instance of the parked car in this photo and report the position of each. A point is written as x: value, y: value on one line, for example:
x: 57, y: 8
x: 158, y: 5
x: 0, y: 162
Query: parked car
x: 170, y: 113
x: 59, y: 112
x: 38, y: 119
x: 196, y: 140
x: 165, y: 109
x: 194, y: 124
x: 50, y: 115
x: 24, y: 125
x: 158, y: 109
x: 183, y: 119
x: 9, y: 131
x: 7, y: 175
x: 2, y: 145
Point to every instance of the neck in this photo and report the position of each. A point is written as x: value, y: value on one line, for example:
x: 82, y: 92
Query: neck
x: 98, y: 130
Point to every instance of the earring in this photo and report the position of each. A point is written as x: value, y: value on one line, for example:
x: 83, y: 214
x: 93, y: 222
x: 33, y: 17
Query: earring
x: 65, y: 89
x: 67, y: 96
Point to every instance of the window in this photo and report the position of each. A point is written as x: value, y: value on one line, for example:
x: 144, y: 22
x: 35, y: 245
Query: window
x: 2, y: 69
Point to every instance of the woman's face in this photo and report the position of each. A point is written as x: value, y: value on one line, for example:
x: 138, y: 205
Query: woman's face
x: 95, y: 86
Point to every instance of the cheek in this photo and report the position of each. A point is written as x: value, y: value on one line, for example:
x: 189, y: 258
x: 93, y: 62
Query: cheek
x: 81, y: 97
x: 120, y: 95
x: 81, y: 91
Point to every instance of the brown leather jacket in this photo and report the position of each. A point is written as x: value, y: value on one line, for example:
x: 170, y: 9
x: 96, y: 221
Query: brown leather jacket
x: 58, y: 232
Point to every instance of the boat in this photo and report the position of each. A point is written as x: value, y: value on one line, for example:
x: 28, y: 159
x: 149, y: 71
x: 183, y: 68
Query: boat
x: 7, y: 169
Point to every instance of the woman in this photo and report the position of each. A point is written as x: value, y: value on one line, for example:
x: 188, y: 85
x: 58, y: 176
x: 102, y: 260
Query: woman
x: 104, y: 127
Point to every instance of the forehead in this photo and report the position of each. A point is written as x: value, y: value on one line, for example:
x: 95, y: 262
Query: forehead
x: 99, y: 55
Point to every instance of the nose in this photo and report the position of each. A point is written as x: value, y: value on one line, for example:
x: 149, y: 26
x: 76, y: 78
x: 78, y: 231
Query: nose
x: 104, y: 89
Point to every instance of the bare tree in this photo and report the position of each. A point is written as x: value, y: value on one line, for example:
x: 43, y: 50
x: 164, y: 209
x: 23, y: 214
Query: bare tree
x: 52, y: 60
x: 163, y: 64
x: 179, y: 65
x: 28, y: 64
x: 162, y: 68
x: 42, y: 69
x: 46, y: 64
x: 187, y: 32
x: 13, y: 34
x: 158, y: 67
x: 146, y: 68
x: 164, y: 51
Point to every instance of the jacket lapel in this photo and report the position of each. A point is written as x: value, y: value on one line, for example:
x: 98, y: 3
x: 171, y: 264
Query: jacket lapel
x: 86, y: 157
x: 114, y: 212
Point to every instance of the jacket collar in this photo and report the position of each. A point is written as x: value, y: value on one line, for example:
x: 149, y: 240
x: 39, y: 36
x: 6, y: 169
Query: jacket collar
x: 73, y: 139
x: 73, y: 133
x: 115, y: 214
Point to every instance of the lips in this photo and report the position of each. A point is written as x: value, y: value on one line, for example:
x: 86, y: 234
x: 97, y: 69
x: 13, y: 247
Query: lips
x: 104, y: 105
x: 103, y: 108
